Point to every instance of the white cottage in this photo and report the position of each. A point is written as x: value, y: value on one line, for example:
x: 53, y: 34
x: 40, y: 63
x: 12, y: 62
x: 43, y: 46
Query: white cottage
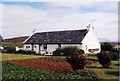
x: 47, y: 42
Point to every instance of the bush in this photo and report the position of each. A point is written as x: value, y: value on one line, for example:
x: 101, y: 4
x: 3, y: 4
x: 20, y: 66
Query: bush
x: 106, y: 46
x: 104, y: 58
x: 57, y: 52
x: 115, y: 56
x: 9, y: 50
x: 25, y: 52
x: 75, y: 57
x: 113, y: 52
x: 71, y: 50
x: 77, y: 61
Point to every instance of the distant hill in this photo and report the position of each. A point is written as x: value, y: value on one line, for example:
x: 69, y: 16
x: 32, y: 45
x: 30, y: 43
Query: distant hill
x: 17, y: 41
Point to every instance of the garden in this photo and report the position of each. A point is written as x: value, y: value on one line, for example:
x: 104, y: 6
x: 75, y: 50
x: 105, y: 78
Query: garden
x: 74, y: 66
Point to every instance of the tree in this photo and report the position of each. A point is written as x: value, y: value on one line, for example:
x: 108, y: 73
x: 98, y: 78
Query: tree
x: 106, y: 47
x: 104, y: 58
x: 75, y: 57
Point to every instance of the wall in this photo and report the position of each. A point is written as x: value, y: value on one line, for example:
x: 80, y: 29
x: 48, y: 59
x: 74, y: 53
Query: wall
x: 53, y: 47
x: 50, y: 47
x: 36, y: 48
x: 26, y: 45
x: 78, y: 45
x: 90, y: 42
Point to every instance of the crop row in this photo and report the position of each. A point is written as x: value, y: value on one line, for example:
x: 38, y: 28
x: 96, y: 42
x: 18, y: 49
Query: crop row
x: 16, y: 72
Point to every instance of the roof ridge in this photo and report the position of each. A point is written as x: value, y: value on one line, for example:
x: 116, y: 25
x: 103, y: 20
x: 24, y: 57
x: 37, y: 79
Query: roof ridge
x: 60, y: 31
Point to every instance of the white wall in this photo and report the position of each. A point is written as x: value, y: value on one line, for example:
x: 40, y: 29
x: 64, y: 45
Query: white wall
x: 78, y: 45
x: 36, y: 48
x: 25, y: 47
x: 90, y: 42
x: 51, y: 47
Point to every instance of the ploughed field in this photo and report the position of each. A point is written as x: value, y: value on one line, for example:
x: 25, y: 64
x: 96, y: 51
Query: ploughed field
x: 59, y: 65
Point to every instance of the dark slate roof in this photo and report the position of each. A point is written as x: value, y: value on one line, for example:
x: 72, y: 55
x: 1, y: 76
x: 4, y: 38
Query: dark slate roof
x: 57, y: 37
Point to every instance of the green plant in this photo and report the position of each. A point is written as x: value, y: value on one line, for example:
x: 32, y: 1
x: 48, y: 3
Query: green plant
x: 71, y: 50
x: 115, y: 56
x: 12, y: 72
x: 106, y: 46
x: 25, y: 52
x: 9, y: 49
x: 75, y: 57
x: 77, y: 61
x: 57, y: 52
x: 104, y: 58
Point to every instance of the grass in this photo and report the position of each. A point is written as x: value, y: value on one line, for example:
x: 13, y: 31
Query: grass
x: 18, y: 56
x: 6, y: 56
x: 93, y: 57
x: 106, y: 73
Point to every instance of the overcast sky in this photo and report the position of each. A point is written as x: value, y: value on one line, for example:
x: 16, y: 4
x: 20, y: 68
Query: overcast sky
x: 21, y: 18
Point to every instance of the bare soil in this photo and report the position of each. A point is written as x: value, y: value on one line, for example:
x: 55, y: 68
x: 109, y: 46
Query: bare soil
x: 61, y: 66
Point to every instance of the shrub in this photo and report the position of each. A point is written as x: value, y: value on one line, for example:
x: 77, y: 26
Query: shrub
x: 25, y: 52
x: 77, y: 61
x: 71, y: 50
x: 57, y: 52
x: 67, y: 51
x: 80, y: 51
x: 104, y: 58
x: 115, y: 56
x: 106, y: 46
x: 75, y: 57
x: 9, y: 50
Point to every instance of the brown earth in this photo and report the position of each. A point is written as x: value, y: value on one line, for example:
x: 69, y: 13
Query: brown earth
x: 60, y: 66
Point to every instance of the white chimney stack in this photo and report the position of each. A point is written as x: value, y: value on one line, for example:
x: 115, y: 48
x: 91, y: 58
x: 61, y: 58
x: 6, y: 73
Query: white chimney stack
x: 34, y: 31
x: 89, y: 27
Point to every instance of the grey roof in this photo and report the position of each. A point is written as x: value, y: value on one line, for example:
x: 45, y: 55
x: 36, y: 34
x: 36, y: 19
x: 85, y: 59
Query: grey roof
x: 57, y: 37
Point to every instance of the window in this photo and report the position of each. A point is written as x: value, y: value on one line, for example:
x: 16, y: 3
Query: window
x: 27, y: 46
x: 93, y: 50
x: 35, y: 46
x: 45, y: 46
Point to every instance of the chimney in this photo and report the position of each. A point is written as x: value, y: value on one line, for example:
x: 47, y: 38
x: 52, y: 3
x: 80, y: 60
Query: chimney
x: 89, y: 27
x: 34, y: 31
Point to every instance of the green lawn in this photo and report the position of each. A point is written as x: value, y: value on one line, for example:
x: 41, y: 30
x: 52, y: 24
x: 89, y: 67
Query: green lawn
x: 18, y: 56
x: 6, y: 56
x: 91, y: 57
x: 106, y: 73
